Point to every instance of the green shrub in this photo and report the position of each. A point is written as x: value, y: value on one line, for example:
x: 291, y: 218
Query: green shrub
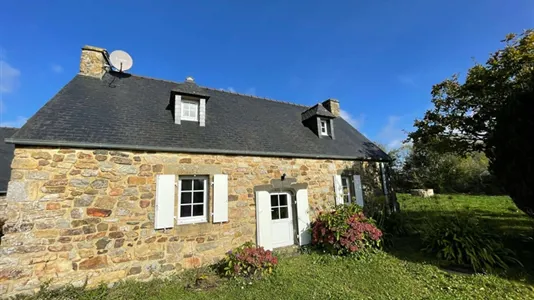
x: 375, y: 208
x: 461, y: 241
x: 248, y: 261
x: 345, y: 231
x: 397, y: 224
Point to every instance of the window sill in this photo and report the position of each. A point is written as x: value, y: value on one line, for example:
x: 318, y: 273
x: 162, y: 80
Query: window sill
x: 191, y: 221
x: 191, y: 120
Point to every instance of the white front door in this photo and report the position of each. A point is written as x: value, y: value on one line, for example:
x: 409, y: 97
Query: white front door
x: 282, y: 220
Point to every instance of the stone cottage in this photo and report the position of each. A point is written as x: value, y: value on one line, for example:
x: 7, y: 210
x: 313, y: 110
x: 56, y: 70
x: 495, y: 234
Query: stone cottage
x: 124, y: 176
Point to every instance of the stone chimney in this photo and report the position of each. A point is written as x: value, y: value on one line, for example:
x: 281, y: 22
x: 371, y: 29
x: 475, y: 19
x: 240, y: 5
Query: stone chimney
x: 332, y: 105
x: 94, y: 61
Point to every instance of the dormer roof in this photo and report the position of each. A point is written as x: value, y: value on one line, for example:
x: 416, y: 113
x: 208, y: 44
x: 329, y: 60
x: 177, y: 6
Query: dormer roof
x: 318, y: 110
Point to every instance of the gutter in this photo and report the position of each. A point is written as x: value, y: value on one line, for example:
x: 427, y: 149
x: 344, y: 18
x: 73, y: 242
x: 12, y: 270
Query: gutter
x: 31, y: 142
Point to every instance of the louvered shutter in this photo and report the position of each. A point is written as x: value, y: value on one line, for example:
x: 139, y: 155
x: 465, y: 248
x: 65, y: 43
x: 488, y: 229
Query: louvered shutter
x: 358, y: 189
x: 165, y: 195
x: 220, y: 198
x: 263, y: 218
x: 338, y: 188
x: 303, y: 217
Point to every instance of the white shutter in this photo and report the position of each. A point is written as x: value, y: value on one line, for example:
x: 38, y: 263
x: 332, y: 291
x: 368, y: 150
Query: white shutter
x: 177, y: 109
x: 358, y: 190
x: 263, y: 219
x: 303, y: 217
x: 165, y: 195
x: 338, y: 188
x: 220, y: 198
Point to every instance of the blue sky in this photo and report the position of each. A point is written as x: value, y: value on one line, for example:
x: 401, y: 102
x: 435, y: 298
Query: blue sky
x: 379, y: 58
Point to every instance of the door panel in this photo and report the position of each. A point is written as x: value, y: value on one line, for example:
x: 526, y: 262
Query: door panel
x: 282, y: 220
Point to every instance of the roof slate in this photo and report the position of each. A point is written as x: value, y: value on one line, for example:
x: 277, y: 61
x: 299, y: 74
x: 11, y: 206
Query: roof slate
x: 6, y: 156
x: 133, y: 112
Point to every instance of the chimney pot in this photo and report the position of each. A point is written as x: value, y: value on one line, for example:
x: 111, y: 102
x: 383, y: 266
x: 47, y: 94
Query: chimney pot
x: 332, y: 105
x: 94, y: 61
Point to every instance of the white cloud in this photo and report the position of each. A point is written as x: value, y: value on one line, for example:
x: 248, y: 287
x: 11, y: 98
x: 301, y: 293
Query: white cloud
x: 251, y: 91
x: 57, y: 68
x: 355, y: 122
x: 9, y: 77
x: 18, y: 122
x: 391, y: 134
x: 407, y: 79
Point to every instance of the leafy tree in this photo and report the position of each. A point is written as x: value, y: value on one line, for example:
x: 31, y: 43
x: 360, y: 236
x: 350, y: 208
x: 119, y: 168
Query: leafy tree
x: 512, y: 149
x: 447, y: 173
x: 466, y: 115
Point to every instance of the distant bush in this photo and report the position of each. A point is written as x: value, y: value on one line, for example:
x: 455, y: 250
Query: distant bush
x: 461, y: 241
x: 249, y: 261
x: 345, y: 231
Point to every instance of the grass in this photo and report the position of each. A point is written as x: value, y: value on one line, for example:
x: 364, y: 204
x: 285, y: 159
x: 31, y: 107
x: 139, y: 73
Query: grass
x: 497, y: 214
x: 399, y: 273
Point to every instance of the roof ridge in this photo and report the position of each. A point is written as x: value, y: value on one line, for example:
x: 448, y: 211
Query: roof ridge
x: 224, y: 91
x: 254, y: 96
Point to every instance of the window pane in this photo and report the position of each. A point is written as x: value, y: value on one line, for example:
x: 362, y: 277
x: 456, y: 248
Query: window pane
x: 185, y: 211
x: 199, y: 184
x: 283, y: 213
x: 274, y: 200
x: 345, y: 182
x: 283, y: 200
x: 198, y: 210
x: 198, y: 197
x: 275, y: 214
x: 186, y: 184
x: 186, y: 198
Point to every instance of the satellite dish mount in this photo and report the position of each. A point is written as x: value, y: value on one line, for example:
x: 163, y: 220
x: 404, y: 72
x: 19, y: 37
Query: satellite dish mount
x: 120, y: 60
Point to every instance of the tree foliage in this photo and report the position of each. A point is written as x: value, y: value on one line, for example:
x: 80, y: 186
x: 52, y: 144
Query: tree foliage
x: 512, y: 149
x: 466, y: 116
x: 445, y: 173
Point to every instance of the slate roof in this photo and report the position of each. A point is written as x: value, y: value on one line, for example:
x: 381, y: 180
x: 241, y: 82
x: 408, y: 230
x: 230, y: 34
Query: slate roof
x: 130, y: 112
x: 317, y: 110
x: 6, y: 156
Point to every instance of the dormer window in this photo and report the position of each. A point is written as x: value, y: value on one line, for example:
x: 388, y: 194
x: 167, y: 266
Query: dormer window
x: 189, y: 110
x: 190, y: 102
x: 324, y: 127
x: 319, y: 120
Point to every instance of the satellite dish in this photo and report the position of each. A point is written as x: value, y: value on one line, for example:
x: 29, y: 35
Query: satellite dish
x: 121, y: 60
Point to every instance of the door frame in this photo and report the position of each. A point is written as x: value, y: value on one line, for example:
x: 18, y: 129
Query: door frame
x: 300, y: 208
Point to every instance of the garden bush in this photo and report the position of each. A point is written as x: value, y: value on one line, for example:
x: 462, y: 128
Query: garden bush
x: 249, y: 261
x: 345, y: 231
x: 461, y: 241
x: 397, y: 224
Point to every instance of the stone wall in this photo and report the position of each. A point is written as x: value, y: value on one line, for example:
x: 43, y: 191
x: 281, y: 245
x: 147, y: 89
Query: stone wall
x: 77, y: 215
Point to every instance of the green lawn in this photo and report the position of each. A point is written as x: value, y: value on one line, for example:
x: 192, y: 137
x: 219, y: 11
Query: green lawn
x: 401, y: 272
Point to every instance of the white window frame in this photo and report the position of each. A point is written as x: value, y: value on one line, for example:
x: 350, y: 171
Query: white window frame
x: 194, y: 219
x: 188, y: 104
x: 324, y: 127
x: 288, y: 206
x: 348, y: 181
